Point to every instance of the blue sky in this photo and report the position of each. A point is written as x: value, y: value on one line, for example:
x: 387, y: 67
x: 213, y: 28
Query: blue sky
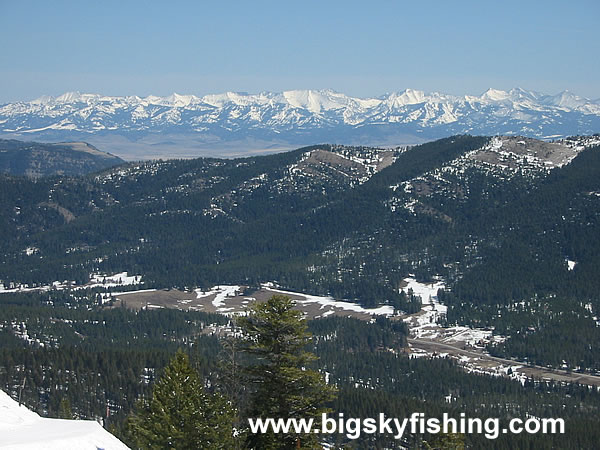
x: 359, y: 48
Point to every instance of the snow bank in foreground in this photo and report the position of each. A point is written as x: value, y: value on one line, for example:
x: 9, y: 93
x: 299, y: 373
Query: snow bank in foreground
x: 21, y: 428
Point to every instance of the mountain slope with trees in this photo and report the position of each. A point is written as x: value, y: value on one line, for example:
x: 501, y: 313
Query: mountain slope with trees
x: 510, y: 224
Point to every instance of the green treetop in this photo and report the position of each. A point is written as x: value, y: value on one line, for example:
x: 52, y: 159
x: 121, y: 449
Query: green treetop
x: 180, y: 414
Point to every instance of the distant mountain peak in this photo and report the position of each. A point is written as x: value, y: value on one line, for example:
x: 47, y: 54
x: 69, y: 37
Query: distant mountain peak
x: 409, y: 97
x: 495, y: 95
x: 73, y: 97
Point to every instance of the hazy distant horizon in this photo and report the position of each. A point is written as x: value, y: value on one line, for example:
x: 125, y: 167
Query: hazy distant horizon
x: 363, y: 50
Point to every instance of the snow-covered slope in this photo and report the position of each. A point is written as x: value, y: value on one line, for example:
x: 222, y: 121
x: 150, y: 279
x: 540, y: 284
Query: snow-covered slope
x: 302, y: 117
x: 21, y: 428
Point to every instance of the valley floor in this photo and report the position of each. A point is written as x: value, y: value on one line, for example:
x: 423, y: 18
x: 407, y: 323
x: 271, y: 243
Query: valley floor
x: 428, y: 339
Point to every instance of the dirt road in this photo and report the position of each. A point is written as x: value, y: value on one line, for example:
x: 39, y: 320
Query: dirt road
x: 488, y: 361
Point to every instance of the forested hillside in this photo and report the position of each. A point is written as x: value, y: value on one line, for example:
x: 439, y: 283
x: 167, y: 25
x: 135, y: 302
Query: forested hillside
x: 511, y: 224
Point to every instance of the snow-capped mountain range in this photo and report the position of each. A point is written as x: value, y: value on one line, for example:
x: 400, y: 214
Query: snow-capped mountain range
x: 301, y: 117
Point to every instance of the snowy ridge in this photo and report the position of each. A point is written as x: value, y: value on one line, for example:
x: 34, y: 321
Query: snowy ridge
x: 311, y: 100
x: 21, y: 428
x: 306, y: 113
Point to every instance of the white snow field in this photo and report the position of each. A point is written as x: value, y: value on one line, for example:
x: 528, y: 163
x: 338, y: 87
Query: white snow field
x: 21, y: 429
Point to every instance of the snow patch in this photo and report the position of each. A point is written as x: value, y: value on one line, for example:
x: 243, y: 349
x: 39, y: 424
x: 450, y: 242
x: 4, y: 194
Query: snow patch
x: 221, y: 293
x: 431, y: 309
x: 96, y: 281
x: 118, y: 279
x: 324, y: 302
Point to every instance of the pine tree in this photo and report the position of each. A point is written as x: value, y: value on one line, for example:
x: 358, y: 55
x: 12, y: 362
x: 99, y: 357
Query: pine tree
x: 181, y: 414
x: 281, y: 383
x: 230, y: 373
x: 65, y: 411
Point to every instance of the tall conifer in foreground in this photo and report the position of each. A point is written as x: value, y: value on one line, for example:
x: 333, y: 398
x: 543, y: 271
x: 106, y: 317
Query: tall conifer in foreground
x: 279, y: 378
